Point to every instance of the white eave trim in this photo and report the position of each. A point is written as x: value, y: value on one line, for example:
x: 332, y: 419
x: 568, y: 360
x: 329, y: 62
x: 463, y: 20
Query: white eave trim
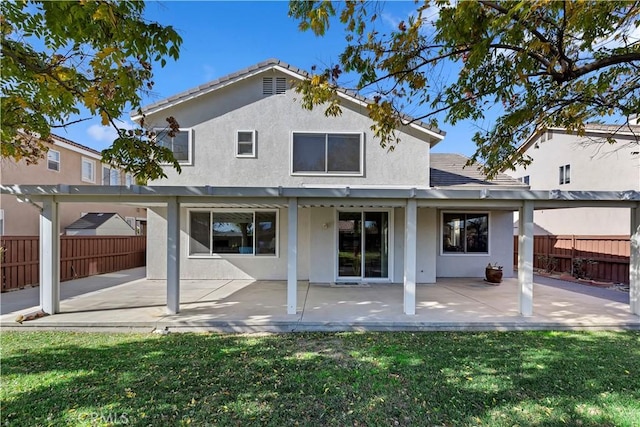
x: 413, y: 125
x: 196, y: 94
x: 76, y: 149
x: 188, y: 96
x: 202, y: 194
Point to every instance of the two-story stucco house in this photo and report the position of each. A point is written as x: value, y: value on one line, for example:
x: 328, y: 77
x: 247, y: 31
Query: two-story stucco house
x: 271, y: 191
x: 66, y: 162
x: 248, y: 130
x: 569, y: 162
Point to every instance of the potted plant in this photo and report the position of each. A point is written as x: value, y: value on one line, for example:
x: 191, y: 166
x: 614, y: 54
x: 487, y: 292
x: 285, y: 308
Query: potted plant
x: 493, y: 273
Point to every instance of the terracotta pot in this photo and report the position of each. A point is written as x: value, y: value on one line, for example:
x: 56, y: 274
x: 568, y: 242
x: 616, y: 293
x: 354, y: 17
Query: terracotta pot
x: 493, y: 275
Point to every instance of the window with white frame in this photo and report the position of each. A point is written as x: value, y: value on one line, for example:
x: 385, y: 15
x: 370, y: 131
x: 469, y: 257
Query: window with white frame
x: 110, y: 176
x: 465, y: 233
x: 128, y: 179
x: 53, y: 160
x: 271, y: 85
x: 246, y: 143
x: 88, y: 170
x: 181, y: 144
x: 525, y: 179
x: 243, y: 232
x: 564, y: 174
x: 327, y: 153
x: 1, y: 222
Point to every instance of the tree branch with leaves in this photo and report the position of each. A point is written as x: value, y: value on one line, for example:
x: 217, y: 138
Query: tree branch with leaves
x: 60, y: 56
x: 540, y: 64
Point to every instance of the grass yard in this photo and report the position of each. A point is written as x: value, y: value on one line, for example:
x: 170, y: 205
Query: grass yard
x: 335, y: 379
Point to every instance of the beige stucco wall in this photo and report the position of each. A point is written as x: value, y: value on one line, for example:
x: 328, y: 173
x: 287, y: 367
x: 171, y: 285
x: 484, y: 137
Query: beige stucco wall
x: 215, y: 118
x: 22, y: 219
x: 595, y: 165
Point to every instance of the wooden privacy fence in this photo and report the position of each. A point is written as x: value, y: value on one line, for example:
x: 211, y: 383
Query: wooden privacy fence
x: 80, y: 256
x: 604, y: 258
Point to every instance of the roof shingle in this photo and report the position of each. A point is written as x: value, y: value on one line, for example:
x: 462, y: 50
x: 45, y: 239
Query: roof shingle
x: 449, y: 170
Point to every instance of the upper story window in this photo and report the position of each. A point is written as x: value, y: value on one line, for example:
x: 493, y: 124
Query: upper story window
x: 565, y: 174
x: 1, y: 222
x: 110, y: 176
x: 327, y: 154
x: 128, y: 180
x: 88, y: 170
x: 274, y: 85
x: 181, y: 145
x: 53, y: 160
x: 465, y: 233
x: 525, y: 179
x: 246, y: 143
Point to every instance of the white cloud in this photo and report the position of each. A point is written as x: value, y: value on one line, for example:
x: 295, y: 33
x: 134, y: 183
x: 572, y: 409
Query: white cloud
x: 209, y: 72
x: 615, y: 39
x: 390, y: 20
x: 107, y: 134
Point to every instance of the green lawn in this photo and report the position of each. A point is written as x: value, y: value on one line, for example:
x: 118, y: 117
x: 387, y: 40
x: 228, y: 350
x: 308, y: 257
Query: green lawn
x: 340, y: 379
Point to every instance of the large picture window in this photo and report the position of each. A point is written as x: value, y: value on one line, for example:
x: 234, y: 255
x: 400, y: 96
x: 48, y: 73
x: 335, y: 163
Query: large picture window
x: 465, y: 233
x: 327, y: 153
x: 180, y: 144
x: 219, y: 232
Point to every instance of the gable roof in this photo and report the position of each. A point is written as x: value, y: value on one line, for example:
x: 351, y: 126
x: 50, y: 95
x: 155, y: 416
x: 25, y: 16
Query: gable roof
x: 260, y: 68
x: 449, y: 170
x: 91, y: 221
x: 604, y: 129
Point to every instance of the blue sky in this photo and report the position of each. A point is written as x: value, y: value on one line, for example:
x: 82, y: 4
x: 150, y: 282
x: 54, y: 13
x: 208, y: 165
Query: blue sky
x: 223, y: 37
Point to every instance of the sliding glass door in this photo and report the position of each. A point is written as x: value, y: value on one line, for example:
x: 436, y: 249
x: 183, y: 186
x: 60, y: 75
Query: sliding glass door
x: 363, y: 245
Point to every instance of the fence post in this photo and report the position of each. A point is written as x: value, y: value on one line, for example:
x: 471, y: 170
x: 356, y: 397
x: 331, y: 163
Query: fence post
x: 573, y: 252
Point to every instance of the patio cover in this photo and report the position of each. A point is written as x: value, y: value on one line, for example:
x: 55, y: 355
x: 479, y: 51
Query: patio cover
x: 522, y: 200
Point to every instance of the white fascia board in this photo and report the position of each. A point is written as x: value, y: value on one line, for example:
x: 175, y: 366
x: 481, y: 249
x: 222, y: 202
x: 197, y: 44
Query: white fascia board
x: 70, y: 147
x: 368, y: 186
x: 357, y: 195
x: 287, y: 71
x: 429, y: 132
x: 413, y: 125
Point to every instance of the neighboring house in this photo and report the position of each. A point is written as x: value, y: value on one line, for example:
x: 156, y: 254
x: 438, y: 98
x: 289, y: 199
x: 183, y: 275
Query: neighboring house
x: 100, y: 224
x: 69, y: 163
x: 568, y: 162
x: 248, y: 131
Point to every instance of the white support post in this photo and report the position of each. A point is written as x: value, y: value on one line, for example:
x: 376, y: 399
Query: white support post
x: 410, y: 256
x: 49, y: 257
x: 634, y: 263
x: 173, y: 256
x: 525, y: 259
x: 292, y: 257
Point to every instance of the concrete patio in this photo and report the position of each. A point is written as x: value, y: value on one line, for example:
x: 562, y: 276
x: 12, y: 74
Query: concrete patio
x: 126, y: 301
